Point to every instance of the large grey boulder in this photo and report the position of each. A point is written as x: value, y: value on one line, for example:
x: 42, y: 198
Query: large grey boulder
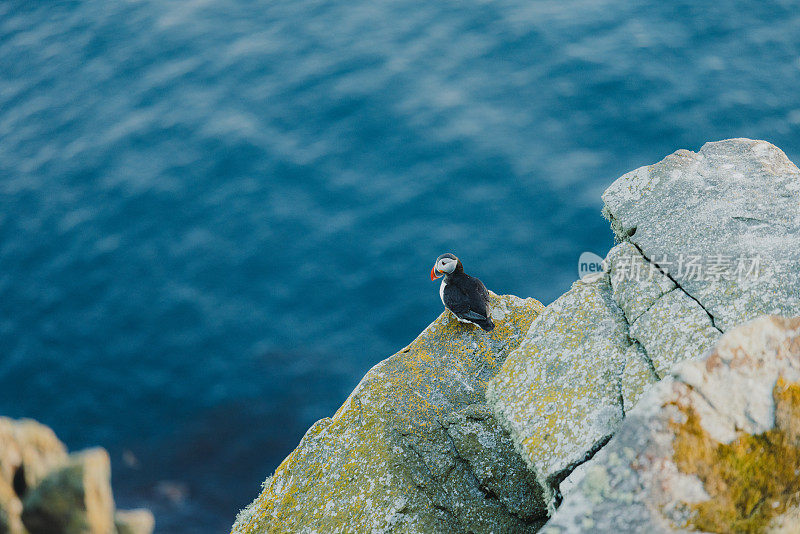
x: 712, y: 447
x: 414, y: 448
x: 708, y: 241
x: 723, y: 223
x: 588, y: 358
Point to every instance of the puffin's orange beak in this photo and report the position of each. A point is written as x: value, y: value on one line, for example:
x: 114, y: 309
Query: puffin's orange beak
x: 434, y: 273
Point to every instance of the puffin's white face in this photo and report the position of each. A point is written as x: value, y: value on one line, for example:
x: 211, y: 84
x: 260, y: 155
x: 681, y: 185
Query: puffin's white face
x: 445, y: 264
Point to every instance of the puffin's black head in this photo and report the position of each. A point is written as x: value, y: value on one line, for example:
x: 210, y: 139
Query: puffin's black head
x: 445, y: 264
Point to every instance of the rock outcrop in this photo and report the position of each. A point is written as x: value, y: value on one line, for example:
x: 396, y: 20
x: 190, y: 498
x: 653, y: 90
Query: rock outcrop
x: 722, y: 223
x: 414, y: 448
x: 559, y: 403
x: 714, y: 447
x: 691, y: 264
x: 45, y: 490
x: 468, y: 432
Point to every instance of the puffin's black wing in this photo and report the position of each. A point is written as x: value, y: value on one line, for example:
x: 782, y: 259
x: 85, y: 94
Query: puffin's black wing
x: 466, y: 297
x: 482, y: 289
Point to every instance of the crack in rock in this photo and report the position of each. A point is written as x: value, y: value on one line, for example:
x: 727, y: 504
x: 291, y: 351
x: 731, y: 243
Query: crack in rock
x: 732, y: 209
x: 713, y: 321
x: 558, y: 393
x: 550, y: 398
x: 637, y: 483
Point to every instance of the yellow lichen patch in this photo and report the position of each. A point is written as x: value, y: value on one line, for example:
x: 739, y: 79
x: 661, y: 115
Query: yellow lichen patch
x: 750, y: 480
x: 354, y: 471
x: 558, y: 393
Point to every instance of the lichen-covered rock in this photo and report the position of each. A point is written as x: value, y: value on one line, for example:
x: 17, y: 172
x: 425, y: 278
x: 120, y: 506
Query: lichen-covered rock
x: 559, y: 392
x: 588, y: 358
x: 709, y: 240
x: 636, y: 283
x: 668, y: 324
x: 673, y: 329
x: 713, y: 447
x: 723, y: 223
x: 637, y: 375
x: 412, y: 449
x: 785, y: 523
x: 74, y: 499
x: 489, y: 451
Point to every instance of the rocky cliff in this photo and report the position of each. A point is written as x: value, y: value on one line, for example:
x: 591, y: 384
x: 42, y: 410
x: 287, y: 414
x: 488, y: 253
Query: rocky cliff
x: 45, y: 490
x: 415, y: 447
x: 470, y: 432
x: 714, y: 447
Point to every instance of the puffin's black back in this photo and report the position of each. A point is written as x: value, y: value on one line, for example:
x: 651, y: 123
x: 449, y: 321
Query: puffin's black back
x: 467, y: 298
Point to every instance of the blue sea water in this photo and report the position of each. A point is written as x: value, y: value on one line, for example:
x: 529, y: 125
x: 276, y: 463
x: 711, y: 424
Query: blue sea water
x: 216, y: 216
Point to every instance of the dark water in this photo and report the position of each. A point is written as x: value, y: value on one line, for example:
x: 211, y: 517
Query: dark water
x: 215, y: 216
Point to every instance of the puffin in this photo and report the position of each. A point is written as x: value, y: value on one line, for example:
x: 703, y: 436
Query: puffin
x: 464, y: 295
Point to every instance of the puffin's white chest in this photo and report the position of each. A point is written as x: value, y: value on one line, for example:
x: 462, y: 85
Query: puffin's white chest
x: 441, y: 291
